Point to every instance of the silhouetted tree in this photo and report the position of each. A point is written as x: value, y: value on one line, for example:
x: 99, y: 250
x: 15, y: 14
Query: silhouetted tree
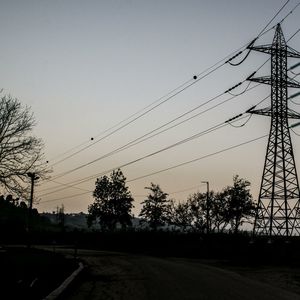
x: 20, y: 151
x: 237, y: 202
x: 181, y: 215
x: 12, y: 217
x: 197, y: 206
x: 113, y: 202
x: 156, y: 208
x: 218, y: 216
x: 196, y: 212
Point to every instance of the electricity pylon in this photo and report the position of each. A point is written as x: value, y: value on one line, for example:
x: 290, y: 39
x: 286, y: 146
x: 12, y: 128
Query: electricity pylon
x: 278, y: 207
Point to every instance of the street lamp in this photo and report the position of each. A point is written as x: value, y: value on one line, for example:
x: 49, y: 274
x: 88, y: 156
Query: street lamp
x: 207, y: 207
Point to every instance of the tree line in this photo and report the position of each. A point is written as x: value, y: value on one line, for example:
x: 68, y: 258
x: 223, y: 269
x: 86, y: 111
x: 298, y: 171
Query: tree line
x: 201, y: 212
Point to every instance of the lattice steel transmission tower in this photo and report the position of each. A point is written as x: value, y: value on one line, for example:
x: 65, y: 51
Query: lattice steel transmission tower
x: 278, y: 208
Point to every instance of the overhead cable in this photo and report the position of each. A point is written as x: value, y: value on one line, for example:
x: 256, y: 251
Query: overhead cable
x: 175, y: 166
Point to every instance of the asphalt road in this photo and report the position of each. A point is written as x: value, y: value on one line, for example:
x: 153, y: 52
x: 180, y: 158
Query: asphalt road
x: 120, y: 276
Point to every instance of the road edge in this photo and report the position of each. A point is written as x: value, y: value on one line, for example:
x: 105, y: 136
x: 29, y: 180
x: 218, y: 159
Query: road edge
x: 58, y: 291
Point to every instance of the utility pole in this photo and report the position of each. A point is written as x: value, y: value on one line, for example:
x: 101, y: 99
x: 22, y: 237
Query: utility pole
x: 33, y: 177
x: 207, y: 207
x: 278, y: 207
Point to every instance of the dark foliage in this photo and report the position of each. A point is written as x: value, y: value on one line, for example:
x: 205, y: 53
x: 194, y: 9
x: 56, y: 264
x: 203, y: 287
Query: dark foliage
x: 238, y: 205
x: 113, y: 202
x: 156, y: 208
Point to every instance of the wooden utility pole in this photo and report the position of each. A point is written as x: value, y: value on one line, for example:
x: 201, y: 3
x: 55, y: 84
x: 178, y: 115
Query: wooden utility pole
x: 207, y: 208
x: 33, y: 177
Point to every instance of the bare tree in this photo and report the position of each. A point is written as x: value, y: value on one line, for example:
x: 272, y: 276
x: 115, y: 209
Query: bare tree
x: 20, y: 151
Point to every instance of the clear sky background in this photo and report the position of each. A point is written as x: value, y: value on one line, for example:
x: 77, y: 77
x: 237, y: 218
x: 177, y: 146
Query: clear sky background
x: 84, y: 66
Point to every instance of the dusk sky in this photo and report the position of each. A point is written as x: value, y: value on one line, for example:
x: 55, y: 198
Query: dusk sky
x: 85, y: 66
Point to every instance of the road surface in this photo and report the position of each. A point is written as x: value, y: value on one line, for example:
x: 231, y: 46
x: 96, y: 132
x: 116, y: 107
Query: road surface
x: 120, y: 276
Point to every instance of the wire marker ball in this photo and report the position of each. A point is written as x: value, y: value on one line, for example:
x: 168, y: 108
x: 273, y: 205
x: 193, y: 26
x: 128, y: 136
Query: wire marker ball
x: 195, y: 77
x: 92, y: 138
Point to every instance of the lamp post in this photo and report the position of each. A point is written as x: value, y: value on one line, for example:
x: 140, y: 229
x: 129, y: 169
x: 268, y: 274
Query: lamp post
x: 207, y: 207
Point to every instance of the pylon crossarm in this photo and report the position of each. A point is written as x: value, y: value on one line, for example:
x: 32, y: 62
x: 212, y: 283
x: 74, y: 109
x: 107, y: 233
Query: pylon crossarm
x: 263, y: 48
x: 264, y: 111
x: 293, y: 114
x: 292, y: 83
x: 263, y: 79
x: 292, y: 52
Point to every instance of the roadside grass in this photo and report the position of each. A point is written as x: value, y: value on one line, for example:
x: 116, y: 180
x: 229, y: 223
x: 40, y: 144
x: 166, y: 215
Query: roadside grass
x: 31, y: 273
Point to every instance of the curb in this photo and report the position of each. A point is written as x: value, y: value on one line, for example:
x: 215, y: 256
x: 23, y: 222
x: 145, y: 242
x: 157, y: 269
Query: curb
x: 57, y: 292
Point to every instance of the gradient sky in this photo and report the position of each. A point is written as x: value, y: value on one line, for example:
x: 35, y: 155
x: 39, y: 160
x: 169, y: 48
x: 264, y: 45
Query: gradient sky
x: 84, y: 66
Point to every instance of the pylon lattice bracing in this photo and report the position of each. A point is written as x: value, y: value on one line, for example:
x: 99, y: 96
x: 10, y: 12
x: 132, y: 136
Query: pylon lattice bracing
x: 278, y: 205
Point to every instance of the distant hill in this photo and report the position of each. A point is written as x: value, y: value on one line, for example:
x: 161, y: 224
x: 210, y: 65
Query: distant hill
x: 78, y: 221
x: 72, y: 221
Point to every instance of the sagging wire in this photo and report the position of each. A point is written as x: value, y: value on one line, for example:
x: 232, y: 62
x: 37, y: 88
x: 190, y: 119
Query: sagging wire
x: 293, y: 67
x: 239, y: 53
x: 294, y: 132
x: 235, y: 95
x: 293, y: 96
x: 241, y: 125
x: 248, y: 111
x: 296, y: 74
x: 238, y: 84
x: 295, y: 102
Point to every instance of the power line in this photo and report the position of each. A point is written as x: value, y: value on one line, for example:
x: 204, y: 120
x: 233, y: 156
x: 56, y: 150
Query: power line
x: 128, y: 144
x: 197, y: 135
x: 197, y: 159
x: 77, y: 168
x: 140, y: 140
x: 67, y: 185
x: 289, y: 13
x: 289, y: 39
x: 182, y: 115
x: 147, y: 136
x: 172, y: 94
x: 172, y: 167
x: 184, y: 120
x: 66, y: 197
x: 187, y: 189
x: 176, y: 192
x: 180, y: 88
x: 274, y: 17
x: 144, y: 157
